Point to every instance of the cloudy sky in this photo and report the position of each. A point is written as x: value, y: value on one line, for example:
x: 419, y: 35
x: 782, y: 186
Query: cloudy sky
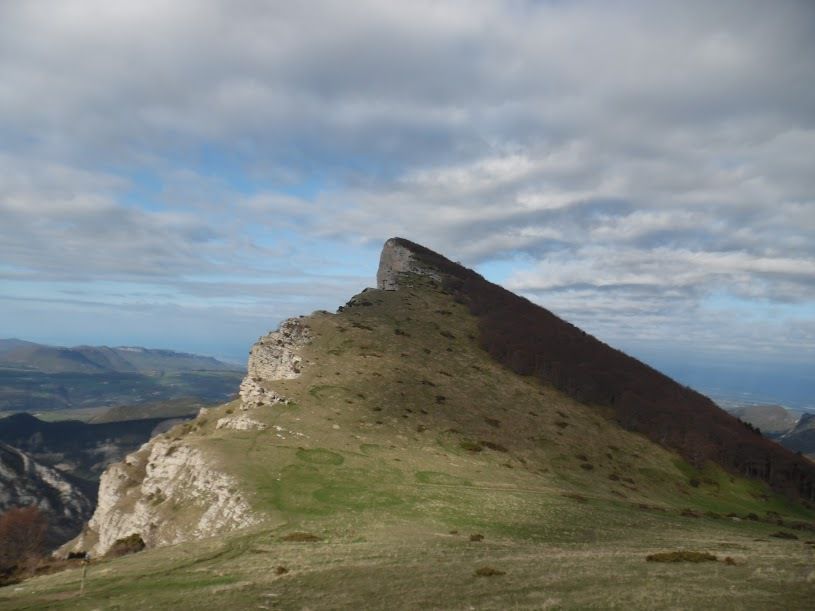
x: 185, y: 174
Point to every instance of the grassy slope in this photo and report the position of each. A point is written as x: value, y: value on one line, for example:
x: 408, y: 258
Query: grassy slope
x: 378, y: 456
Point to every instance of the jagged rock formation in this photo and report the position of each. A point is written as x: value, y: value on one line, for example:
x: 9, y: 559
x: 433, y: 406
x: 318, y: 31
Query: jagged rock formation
x: 398, y: 258
x: 25, y: 482
x: 169, y: 471
x: 274, y: 356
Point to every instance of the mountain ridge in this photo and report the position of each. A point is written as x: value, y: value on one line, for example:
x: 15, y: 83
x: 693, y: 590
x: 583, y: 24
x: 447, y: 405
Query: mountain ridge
x: 103, y: 359
x: 591, y: 371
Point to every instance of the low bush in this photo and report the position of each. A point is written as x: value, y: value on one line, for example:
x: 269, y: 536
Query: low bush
x: 496, y: 447
x: 488, y: 571
x: 126, y: 545
x: 302, y: 537
x: 784, y: 535
x: 681, y: 556
x: 471, y: 446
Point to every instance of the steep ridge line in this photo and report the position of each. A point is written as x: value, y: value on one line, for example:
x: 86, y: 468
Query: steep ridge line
x: 532, y: 341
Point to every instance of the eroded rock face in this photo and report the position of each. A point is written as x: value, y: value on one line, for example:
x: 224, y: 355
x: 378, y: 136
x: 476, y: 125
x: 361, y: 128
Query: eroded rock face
x: 396, y: 259
x: 166, y: 492
x: 275, y: 356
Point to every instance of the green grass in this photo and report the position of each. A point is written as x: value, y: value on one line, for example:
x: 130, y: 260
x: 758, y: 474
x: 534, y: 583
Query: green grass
x: 402, y: 566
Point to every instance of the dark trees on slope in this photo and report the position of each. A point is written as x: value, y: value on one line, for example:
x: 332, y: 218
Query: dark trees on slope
x: 530, y: 340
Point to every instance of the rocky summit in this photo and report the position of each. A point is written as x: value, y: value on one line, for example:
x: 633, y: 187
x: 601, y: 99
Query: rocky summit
x: 441, y: 442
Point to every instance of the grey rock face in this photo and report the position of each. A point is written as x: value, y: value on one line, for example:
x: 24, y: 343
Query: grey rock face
x: 137, y: 496
x: 275, y: 356
x: 396, y: 260
x: 25, y: 482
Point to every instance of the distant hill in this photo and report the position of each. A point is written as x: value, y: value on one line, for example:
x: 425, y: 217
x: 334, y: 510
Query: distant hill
x: 802, y: 437
x: 793, y: 430
x: 35, y: 377
x: 16, y: 353
x: 773, y: 420
x: 79, y: 448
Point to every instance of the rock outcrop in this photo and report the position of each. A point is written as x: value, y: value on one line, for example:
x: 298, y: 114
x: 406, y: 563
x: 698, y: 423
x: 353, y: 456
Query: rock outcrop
x: 137, y: 495
x: 275, y: 356
x: 25, y: 482
x: 169, y: 491
x: 397, y: 259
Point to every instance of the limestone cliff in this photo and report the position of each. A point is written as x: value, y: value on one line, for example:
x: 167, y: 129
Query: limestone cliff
x: 166, y: 478
x: 171, y: 490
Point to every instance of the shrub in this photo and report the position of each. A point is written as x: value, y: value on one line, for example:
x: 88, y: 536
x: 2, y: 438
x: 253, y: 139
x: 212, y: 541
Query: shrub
x: 488, y: 571
x: 471, y: 446
x: 784, y: 535
x: 681, y: 556
x: 301, y: 537
x: 126, y: 545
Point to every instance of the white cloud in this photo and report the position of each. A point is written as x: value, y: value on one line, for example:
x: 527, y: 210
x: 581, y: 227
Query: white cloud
x: 647, y: 153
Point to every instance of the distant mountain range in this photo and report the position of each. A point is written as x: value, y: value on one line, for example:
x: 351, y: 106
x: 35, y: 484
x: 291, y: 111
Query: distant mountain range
x: 793, y: 430
x: 20, y: 354
x: 38, y: 378
x: 80, y: 449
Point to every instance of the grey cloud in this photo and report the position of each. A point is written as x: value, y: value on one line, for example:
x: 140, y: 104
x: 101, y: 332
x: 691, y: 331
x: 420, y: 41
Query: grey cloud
x: 641, y: 155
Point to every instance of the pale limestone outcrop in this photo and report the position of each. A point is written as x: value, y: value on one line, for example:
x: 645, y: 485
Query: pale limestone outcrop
x: 397, y: 259
x: 241, y: 422
x: 166, y: 492
x: 275, y: 356
x: 253, y: 394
